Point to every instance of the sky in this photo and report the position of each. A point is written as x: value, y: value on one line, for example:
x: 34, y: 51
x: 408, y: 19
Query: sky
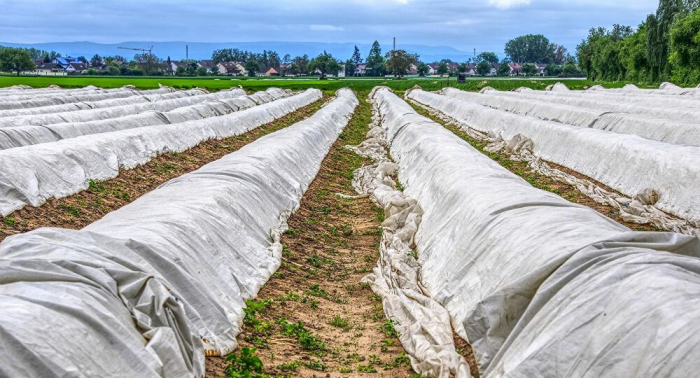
x: 484, y: 25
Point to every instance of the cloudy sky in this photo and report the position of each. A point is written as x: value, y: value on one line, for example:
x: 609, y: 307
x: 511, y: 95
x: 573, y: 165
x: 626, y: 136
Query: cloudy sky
x: 482, y: 24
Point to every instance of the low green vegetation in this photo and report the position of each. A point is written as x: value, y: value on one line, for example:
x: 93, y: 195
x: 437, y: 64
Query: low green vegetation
x: 255, y: 84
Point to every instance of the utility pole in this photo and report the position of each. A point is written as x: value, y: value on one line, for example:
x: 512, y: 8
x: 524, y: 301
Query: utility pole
x: 394, y: 43
x: 187, y: 52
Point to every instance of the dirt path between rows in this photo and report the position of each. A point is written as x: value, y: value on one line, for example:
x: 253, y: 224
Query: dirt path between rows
x: 314, y: 318
x: 81, y: 209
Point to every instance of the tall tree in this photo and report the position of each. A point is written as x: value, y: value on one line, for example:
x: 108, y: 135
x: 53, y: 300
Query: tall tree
x: 375, y: 61
x: 685, y: 49
x: 15, y: 60
x: 530, y: 49
x: 658, y: 29
x: 96, y: 61
x: 422, y: 69
x: 252, y: 66
x: 483, y: 68
x: 324, y: 63
x: 148, y: 62
x: 350, y: 68
x: 300, y: 65
x: 442, y: 68
x: 490, y: 57
x: 399, y: 61
x: 356, y: 57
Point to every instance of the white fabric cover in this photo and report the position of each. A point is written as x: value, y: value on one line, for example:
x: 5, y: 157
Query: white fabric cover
x: 423, y: 324
x: 666, y: 89
x: 86, y: 111
x: 211, y: 105
x: 32, y: 174
x: 685, y: 132
x: 626, y: 163
x: 608, y: 103
x: 542, y: 287
x: 32, y: 95
x: 619, y: 97
x: 149, y: 288
x: 77, y: 97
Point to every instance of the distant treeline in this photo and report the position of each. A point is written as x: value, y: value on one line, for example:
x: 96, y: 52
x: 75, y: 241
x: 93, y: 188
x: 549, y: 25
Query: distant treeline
x: 666, y: 47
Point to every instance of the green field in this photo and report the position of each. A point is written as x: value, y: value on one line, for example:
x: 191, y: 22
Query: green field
x: 222, y: 82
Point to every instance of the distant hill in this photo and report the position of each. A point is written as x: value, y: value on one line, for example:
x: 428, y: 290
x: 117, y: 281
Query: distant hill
x: 203, y: 50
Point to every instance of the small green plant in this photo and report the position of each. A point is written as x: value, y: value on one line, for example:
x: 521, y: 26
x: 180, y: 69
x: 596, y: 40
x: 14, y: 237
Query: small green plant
x: 289, y: 366
x: 316, y: 365
x: 244, y: 365
x: 96, y: 186
x: 71, y: 209
x: 388, y: 328
x: 307, y: 341
x: 254, y: 307
x: 316, y: 291
x: 9, y: 221
x: 340, y: 322
x: 366, y: 369
x: 314, y: 260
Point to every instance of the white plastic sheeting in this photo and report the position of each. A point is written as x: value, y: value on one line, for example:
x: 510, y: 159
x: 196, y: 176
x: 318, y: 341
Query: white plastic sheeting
x: 626, y: 163
x: 211, y: 105
x: 539, y: 286
x: 423, y: 324
x: 639, y: 100
x: 25, y: 95
x: 666, y: 89
x: 33, y: 174
x: 685, y: 132
x: 78, y: 97
x: 149, y: 288
x: 608, y: 103
x: 66, y: 112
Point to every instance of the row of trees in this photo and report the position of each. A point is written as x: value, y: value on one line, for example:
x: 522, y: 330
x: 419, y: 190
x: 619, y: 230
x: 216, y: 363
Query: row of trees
x: 664, y: 47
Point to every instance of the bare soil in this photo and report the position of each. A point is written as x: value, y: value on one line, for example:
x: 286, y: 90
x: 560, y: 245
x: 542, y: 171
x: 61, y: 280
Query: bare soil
x: 332, y: 243
x: 81, y: 209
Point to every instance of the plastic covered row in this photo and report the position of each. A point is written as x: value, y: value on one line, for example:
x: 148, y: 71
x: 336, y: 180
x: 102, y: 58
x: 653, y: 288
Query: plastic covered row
x: 32, y: 95
x: 59, y: 113
x: 210, y: 105
x: 539, y: 286
x: 655, y: 101
x: 685, y: 132
x: 78, y: 97
x: 151, y: 288
x: 607, y: 103
x: 624, y: 162
x: 33, y: 174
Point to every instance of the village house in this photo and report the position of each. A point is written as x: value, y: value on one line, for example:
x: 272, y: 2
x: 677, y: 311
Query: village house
x: 231, y: 68
x: 50, y: 69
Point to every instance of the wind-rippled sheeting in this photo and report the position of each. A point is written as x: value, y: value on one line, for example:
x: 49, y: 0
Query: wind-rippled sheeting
x: 539, y: 286
x: 213, y: 105
x: 33, y: 174
x: 684, y: 132
x: 626, y: 163
x: 666, y: 89
x: 12, y: 96
x: 608, y: 103
x: 640, y: 100
x: 90, y: 111
x: 9, y: 91
x: 68, y: 99
x: 149, y: 288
